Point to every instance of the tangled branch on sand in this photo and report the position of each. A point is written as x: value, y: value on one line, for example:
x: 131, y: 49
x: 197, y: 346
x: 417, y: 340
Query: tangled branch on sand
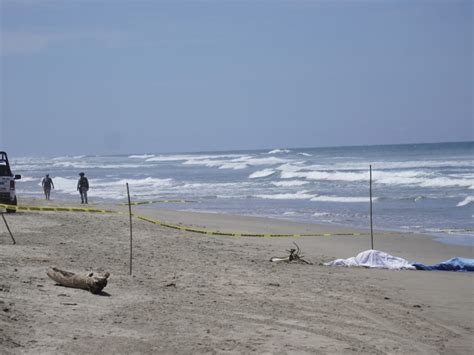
x: 295, y: 256
x: 94, y: 283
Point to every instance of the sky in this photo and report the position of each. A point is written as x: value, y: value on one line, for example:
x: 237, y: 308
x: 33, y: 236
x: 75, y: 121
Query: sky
x: 123, y: 76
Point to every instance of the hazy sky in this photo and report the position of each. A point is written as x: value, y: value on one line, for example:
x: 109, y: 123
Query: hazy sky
x: 117, y: 76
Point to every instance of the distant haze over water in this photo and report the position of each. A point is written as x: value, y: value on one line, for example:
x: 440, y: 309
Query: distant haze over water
x: 425, y: 188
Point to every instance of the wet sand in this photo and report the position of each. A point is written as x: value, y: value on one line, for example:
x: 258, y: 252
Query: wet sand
x: 196, y: 293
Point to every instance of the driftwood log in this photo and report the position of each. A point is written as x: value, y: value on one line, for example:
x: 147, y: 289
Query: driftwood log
x: 91, y: 282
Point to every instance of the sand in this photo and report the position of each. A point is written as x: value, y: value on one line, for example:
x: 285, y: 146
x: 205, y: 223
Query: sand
x: 193, y: 293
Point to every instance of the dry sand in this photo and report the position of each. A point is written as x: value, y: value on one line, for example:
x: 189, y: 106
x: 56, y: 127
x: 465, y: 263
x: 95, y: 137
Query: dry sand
x: 193, y: 293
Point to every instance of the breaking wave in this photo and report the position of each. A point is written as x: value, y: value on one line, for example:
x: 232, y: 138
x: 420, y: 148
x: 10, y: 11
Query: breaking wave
x: 300, y: 195
x: 342, y: 199
x: 466, y: 201
x: 113, y: 189
x: 289, y: 183
x: 262, y: 173
x: 411, y: 177
x: 277, y: 151
x: 141, y: 156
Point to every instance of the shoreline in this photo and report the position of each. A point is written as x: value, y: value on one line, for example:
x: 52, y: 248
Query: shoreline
x: 196, y: 293
x: 442, y: 238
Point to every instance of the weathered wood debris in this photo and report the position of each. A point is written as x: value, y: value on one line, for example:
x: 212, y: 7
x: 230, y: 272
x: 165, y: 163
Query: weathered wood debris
x: 93, y: 282
x: 294, y: 256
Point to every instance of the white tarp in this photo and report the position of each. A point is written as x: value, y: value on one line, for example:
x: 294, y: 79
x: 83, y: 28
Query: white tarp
x: 375, y: 259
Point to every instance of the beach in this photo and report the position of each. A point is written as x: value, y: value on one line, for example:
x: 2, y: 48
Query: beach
x: 198, y: 293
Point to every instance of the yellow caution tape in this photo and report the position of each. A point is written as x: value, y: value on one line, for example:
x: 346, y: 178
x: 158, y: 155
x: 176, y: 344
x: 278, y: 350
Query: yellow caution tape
x: 54, y: 209
x: 231, y: 234
x: 175, y: 226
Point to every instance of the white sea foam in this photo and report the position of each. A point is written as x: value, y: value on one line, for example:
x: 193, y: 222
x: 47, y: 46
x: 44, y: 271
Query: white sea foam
x: 234, y: 166
x: 113, y: 189
x: 300, y: 195
x: 304, y: 154
x: 220, y: 164
x: 289, y: 183
x: 292, y: 167
x: 456, y: 231
x: 324, y: 175
x: 262, y: 173
x: 67, y: 157
x: 394, y: 165
x: 276, y: 151
x: 261, y: 161
x: 169, y: 158
x: 141, y: 156
x: 86, y: 165
x: 221, y: 190
x: 241, y: 162
x: 341, y: 199
x: 320, y: 214
x: 410, y: 177
x: 190, y: 157
x: 466, y: 201
x: 28, y: 179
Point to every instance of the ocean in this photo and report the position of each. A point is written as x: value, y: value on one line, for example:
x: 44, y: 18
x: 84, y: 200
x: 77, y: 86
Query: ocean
x: 426, y: 188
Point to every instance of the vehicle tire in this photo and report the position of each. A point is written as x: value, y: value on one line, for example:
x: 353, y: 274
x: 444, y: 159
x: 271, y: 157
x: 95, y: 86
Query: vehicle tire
x: 15, y: 202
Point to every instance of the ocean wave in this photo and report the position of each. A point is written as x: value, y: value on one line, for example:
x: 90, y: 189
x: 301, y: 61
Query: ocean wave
x: 466, y: 201
x: 300, y: 195
x: 215, y: 189
x: 411, y: 177
x: 277, y: 151
x: 341, y: 199
x: 113, y: 189
x: 413, y: 198
x: 398, y: 165
x: 261, y: 161
x: 305, y: 154
x: 456, y: 231
x: 294, y: 166
x: 141, y: 156
x: 262, y: 173
x: 191, y: 157
x: 28, y: 179
x: 324, y: 175
x: 87, y: 165
x: 234, y: 166
x: 289, y: 183
x: 220, y: 164
x: 67, y: 157
x: 241, y: 162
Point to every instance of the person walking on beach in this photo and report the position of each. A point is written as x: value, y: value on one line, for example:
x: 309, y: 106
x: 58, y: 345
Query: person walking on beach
x: 83, y: 187
x: 47, y: 184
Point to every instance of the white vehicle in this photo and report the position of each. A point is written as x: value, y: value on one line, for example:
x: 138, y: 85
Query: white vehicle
x: 7, y: 183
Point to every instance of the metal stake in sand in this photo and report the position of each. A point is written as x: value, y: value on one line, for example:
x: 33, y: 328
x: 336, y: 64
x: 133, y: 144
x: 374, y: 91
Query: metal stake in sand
x: 9, y: 231
x: 130, y: 212
x: 371, y: 228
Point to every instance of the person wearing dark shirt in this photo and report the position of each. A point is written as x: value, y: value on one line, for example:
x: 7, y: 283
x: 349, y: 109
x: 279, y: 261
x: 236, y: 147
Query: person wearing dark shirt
x: 47, y: 184
x: 83, y: 187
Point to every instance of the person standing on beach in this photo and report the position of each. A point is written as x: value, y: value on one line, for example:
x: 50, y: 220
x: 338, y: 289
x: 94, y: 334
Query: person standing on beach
x: 47, y: 184
x: 83, y: 187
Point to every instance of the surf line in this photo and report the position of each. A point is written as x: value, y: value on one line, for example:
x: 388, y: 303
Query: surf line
x: 240, y: 234
x: 155, y: 201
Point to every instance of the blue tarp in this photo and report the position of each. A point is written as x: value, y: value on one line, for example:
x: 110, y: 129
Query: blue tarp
x: 454, y: 264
